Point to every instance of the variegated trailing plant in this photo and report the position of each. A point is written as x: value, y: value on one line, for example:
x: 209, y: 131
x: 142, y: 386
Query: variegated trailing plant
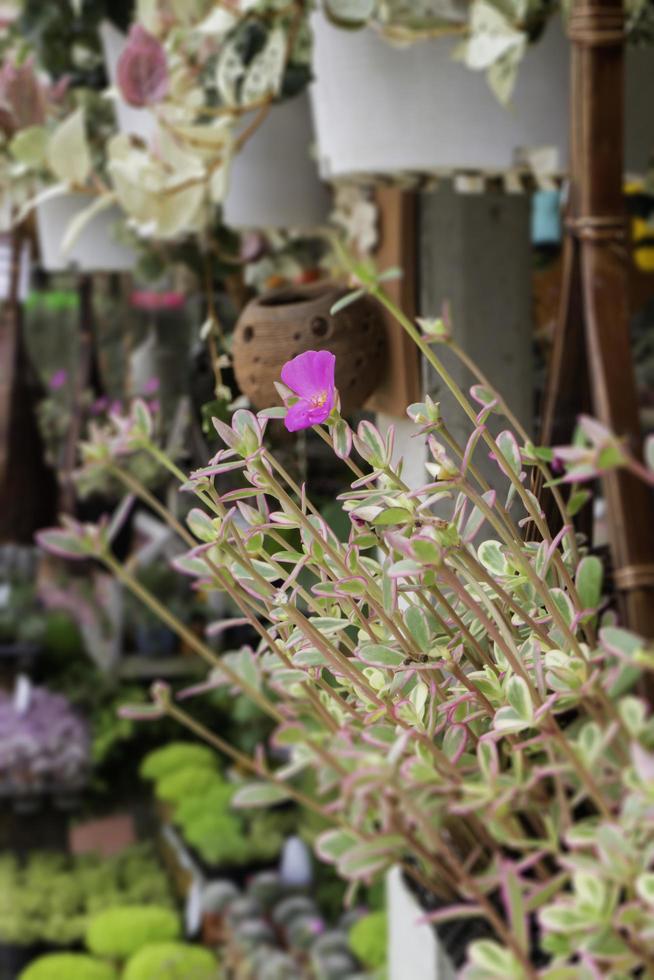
x: 464, y: 703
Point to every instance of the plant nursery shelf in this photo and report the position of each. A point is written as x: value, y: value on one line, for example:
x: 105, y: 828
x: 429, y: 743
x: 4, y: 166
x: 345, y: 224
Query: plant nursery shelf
x: 148, y: 668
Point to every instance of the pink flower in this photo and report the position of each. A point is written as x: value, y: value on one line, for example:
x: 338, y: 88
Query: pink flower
x: 311, y: 376
x: 142, y: 70
x: 151, y: 386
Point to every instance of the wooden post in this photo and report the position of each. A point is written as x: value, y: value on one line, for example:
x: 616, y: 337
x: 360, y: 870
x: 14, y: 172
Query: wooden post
x: 592, y: 348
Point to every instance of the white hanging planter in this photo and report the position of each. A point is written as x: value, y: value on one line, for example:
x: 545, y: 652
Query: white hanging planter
x: 94, y: 250
x: 383, y: 109
x: 274, y: 180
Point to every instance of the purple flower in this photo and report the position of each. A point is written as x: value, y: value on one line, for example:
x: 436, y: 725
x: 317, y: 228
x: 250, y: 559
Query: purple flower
x: 142, y: 69
x: 58, y: 379
x: 151, y: 386
x: 311, y: 377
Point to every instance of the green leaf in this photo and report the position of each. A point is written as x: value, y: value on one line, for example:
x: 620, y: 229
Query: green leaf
x: 266, y: 70
x: 590, y: 574
x: 378, y: 655
x: 577, y: 500
x: 563, y: 603
x: 333, y: 844
x: 509, y: 448
x: 508, y: 720
x: 201, y: 525
x: 393, y: 515
x: 345, y: 301
x: 590, y: 742
x: 633, y: 712
x: 259, y: 794
x: 417, y: 625
x: 491, y: 556
x: 645, y: 887
x: 29, y: 146
x: 497, y: 961
x: 368, y: 858
x: 342, y: 438
x: 454, y: 740
x: 517, y: 692
x: 68, y: 154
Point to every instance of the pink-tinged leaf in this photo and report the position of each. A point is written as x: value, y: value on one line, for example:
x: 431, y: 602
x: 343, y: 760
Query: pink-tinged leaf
x: 367, y: 858
x: 62, y: 543
x: 477, y: 517
x: 484, y: 396
x: 508, y: 447
x: 218, y: 627
x: 455, y: 741
x: 254, y: 795
x: 342, y: 438
x: 119, y: 516
x: 201, y: 525
x: 332, y: 845
x: 142, y: 70
x: 370, y: 444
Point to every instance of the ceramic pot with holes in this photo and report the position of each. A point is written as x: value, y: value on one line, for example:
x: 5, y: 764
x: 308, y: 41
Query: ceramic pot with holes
x: 279, y: 325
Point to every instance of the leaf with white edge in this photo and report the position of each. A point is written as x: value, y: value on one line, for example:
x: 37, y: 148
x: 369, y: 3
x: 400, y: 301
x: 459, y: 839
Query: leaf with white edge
x: 266, y: 70
x: 191, y: 565
x: 333, y: 844
x: 378, y: 655
x: 590, y: 742
x: 477, y: 517
x: 418, y: 627
x: 349, y: 13
x: 518, y: 696
x: 201, y: 525
x: 645, y: 887
x: 342, y: 439
x: 510, y: 450
x: 369, y: 857
x: 259, y: 795
x: 142, y: 418
x: 564, y: 605
x: 633, y: 712
x: 491, y: 556
x: 488, y: 759
x: 496, y: 962
x: 508, y: 720
x: 455, y: 741
x: 369, y: 439
x: 68, y: 154
x: 590, y: 574
x: 230, y: 69
x: 78, y: 223
x: 62, y: 543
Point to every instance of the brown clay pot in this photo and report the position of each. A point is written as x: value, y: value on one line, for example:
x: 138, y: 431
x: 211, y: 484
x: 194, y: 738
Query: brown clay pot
x: 275, y: 327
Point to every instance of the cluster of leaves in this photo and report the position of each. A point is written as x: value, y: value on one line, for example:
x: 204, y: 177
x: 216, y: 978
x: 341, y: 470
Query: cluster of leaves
x: 464, y: 698
x: 186, y: 776
x: 50, y: 898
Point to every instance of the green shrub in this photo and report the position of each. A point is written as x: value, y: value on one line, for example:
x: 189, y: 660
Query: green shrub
x: 68, y: 966
x: 121, y: 931
x: 176, y: 756
x: 217, y: 799
x: 368, y: 940
x: 187, y: 782
x: 172, y: 961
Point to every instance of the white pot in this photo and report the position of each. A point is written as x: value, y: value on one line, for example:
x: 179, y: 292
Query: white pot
x: 274, y: 181
x: 413, y: 949
x: 380, y: 109
x: 95, y: 250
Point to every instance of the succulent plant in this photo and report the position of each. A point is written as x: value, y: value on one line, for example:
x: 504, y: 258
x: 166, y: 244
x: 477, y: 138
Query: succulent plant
x: 68, y: 966
x: 175, y: 756
x: 171, y: 961
x: 44, y: 744
x: 119, y: 932
x: 218, y: 895
x: 293, y: 907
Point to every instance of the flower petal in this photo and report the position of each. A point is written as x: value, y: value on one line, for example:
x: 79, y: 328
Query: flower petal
x: 310, y: 373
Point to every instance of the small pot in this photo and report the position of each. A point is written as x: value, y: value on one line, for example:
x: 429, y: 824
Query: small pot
x: 279, y: 325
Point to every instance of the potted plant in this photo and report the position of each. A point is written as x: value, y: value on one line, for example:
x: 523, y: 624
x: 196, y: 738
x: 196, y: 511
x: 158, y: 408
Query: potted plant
x: 467, y: 704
